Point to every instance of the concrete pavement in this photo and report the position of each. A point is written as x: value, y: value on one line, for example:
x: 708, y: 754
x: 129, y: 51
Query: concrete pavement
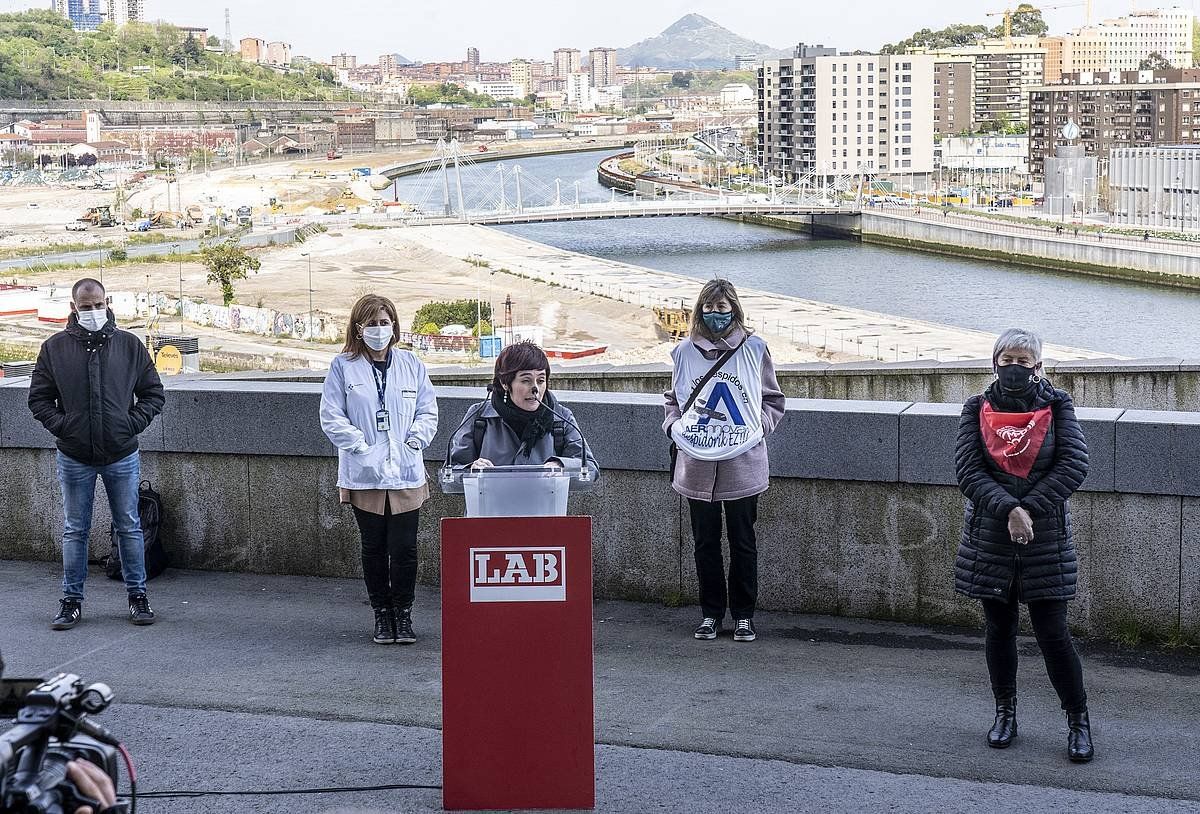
x: 256, y: 682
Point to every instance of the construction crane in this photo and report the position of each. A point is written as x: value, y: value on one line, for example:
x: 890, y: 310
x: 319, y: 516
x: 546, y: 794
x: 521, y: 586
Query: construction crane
x: 1009, y: 12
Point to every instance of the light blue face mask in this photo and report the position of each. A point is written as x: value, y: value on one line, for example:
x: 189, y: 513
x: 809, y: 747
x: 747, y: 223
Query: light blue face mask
x: 717, y: 322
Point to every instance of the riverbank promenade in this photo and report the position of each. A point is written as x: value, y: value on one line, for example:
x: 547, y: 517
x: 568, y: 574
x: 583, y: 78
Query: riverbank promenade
x: 270, y: 682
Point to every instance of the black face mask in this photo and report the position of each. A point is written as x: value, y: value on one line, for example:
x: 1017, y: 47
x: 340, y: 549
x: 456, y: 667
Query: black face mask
x: 1014, y: 378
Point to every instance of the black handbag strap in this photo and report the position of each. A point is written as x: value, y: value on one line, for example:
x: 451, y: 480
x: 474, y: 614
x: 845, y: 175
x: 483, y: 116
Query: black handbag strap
x: 712, y: 371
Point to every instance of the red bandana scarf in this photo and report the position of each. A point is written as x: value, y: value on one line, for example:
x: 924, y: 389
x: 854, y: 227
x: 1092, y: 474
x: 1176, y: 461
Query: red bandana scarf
x: 1014, y: 439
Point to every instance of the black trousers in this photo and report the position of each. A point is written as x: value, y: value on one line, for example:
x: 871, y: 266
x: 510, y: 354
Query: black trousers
x: 740, y: 516
x: 1049, y: 619
x: 389, y: 556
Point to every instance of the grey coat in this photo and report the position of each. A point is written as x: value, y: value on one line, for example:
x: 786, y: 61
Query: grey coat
x: 500, y: 443
x: 747, y: 474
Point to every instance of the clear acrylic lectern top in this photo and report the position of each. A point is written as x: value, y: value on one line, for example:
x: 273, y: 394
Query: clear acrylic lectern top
x: 516, y: 491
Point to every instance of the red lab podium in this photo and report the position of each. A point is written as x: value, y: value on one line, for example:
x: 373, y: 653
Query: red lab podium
x: 517, y: 711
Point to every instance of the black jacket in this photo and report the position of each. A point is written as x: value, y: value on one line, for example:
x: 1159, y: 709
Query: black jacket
x: 988, y: 560
x: 95, y: 392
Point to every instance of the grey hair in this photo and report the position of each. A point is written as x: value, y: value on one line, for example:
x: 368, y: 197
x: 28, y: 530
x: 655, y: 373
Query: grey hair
x: 1017, y: 339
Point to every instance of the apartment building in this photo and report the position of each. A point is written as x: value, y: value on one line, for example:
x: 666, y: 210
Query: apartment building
x: 579, y: 91
x: 279, y: 53
x: 1122, y: 43
x: 344, y: 62
x: 1001, y: 73
x: 566, y: 62
x: 1112, y: 110
x: 253, y: 49
x: 603, y: 67
x: 519, y: 75
x: 829, y: 116
x: 121, y: 12
x: 953, y: 86
x: 472, y: 58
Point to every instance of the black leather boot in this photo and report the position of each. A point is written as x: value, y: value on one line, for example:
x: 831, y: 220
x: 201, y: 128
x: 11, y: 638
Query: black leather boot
x: 1001, y: 735
x: 385, y: 626
x: 1079, y: 737
x: 404, y: 629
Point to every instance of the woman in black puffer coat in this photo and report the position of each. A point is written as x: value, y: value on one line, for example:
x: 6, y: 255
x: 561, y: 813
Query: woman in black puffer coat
x: 1020, y: 456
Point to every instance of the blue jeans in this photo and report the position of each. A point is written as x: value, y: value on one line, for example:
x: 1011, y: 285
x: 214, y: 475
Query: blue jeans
x: 121, y: 481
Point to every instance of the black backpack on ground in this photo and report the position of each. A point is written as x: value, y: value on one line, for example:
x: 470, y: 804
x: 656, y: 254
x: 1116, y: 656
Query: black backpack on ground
x: 150, y: 512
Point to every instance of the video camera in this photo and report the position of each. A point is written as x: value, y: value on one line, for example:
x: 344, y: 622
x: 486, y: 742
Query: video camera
x: 52, y: 729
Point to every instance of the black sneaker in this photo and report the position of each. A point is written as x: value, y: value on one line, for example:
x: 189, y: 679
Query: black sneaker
x: 743, y: 630
x: 139, y: 610
x: 404, y: 631
x: 708, y: 628
x: 385, y: 626
x: 69, y: 613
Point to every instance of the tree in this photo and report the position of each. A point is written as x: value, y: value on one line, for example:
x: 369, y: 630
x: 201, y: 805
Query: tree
x: 441, y: 314
x: 682, y: 79
x: 192, y: 52
x: 227, y: 261
x: 87, y: 160
x: 1027, y: 22
x: 214, y: 41
x: 1154, y: 61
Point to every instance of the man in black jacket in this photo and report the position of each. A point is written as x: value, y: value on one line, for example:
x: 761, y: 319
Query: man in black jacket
x: 95, y: 389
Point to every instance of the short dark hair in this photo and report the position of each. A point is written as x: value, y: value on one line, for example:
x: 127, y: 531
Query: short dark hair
x: 515, y: 358
x: 85, y: 283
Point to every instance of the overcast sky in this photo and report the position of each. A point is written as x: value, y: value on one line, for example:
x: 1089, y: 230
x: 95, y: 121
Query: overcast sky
x: 437, y: 30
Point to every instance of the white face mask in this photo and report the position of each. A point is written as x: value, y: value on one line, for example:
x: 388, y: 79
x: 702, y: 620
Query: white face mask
x: 92, y: 320
x: 377, y: 337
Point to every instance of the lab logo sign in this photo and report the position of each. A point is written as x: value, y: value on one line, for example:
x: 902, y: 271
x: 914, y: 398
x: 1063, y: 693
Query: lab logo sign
x: 530, y: 574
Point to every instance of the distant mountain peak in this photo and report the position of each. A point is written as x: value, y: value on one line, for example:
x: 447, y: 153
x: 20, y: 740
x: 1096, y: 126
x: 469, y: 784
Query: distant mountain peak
x: 691, y: 22
x: 694, y: 41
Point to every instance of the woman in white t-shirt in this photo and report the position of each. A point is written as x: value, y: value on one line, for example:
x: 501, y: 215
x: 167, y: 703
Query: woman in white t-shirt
x: 721, y: 465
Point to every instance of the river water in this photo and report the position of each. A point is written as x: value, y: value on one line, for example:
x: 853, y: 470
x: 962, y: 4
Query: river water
x: 1128, y: 319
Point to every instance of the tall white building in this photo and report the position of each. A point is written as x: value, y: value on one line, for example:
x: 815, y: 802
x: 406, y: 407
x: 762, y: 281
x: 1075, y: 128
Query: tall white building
x: 579, y: 92
x: 837, y: 115
x: 126, y: 11
x: 1122, y: 43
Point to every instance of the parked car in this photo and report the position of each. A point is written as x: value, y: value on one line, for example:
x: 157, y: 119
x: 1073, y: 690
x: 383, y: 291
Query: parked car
x: 77, y: 226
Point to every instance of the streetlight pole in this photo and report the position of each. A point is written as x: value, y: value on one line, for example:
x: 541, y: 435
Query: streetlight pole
x: 175, y: 248
x: 310, y: 293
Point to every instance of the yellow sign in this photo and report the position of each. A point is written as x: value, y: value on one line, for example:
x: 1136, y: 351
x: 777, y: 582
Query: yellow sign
x: 169, y: 360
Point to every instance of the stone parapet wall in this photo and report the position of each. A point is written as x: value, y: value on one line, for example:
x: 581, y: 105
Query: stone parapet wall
x: 862, y: 517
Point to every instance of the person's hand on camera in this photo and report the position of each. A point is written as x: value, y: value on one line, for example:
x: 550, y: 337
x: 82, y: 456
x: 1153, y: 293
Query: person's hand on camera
x: 482, y: 463
x: 91, y: 781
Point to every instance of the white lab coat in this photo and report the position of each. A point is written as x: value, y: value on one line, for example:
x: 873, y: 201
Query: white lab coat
x: 368, y: 459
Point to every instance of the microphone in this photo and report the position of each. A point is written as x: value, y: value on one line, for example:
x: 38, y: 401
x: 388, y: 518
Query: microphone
x: 446, y: 465
x: 582, y: 440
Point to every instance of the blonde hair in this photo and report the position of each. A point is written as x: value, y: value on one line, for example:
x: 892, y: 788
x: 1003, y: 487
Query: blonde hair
x: 717, y: 289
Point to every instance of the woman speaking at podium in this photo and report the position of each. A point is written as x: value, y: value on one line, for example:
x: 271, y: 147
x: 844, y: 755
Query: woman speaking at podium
x: 521, y: 423
x: 723, y: 402
x: 379, y: 410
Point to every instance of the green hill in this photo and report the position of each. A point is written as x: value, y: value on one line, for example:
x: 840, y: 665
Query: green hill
x: 42, y: 56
